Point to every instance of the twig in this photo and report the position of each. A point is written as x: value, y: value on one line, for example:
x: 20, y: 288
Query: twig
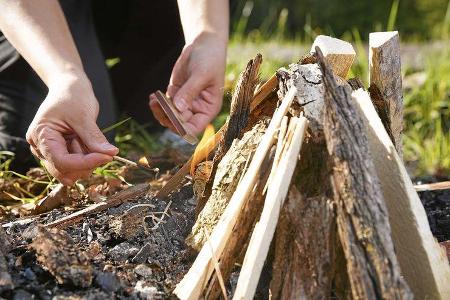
x: 443, y: 185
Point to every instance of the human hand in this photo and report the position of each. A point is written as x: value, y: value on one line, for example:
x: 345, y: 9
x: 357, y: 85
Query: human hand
x: 196, y: 84
x: 64, y: 133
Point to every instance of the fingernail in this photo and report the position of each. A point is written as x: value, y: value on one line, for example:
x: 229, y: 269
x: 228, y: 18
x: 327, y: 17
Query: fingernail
x: 181, y: 104
x: 108, y: 147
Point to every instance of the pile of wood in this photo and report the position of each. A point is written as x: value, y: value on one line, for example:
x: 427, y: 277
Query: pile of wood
x: 304, y: 187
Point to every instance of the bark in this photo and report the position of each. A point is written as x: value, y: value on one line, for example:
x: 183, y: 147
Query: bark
x: 229, y: 172
x: 303, y: 261
x: 362, y: 217
x: 237, y: 121
x: 238, y: 242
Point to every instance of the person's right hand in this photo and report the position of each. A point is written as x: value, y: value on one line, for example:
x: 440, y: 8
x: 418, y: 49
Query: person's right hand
x: 64, y: 133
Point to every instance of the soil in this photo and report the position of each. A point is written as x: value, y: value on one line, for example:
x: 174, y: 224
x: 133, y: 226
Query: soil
x: 437, y: 206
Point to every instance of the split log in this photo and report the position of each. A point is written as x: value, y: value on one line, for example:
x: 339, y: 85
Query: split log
x: 229, y: 172
x: 340, y: 54
x: 423, y: 263
x: 303, y: 264
x: 236, y: 122
x: 276, y: 193
x: 234, y: 250
x: 191, y: 286
x: 362, y: 217
x: 386, y: 77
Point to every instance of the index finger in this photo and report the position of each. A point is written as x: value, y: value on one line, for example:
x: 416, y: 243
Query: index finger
x: 53, y: 148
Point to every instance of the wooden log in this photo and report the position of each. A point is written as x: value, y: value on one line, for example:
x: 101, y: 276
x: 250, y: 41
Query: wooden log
x: 6, y: 282
x: 265, y: 228
x: 423, y: 263
x: 192, y: 284
x: 386, y: 76
x: 229, y: 171
x: 340, y: 54
x: 235, y: 249
x: 236, y: 122
x: 362, y: 217
x: 303, y: 264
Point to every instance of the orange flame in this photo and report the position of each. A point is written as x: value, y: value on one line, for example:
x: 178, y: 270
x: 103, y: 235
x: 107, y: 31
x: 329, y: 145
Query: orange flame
x: 204, y: 147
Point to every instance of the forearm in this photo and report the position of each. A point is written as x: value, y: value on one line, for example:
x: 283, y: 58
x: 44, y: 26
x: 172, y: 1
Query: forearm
x: 39, y: 31
x: 200, y: 17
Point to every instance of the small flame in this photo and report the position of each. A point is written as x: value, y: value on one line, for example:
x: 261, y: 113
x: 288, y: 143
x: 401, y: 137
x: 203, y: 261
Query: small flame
x: 143, y: 161
x: 204, y: 147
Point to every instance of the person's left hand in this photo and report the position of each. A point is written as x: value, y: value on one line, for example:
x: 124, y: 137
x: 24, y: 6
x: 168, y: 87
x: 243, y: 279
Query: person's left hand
x: 196, y: 84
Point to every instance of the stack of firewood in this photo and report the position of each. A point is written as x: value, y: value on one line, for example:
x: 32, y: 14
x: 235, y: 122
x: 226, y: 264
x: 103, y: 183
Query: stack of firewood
x: 306, y: 180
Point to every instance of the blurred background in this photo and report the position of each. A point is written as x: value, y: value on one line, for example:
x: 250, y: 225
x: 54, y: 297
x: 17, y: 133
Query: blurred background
x: 283, y: 30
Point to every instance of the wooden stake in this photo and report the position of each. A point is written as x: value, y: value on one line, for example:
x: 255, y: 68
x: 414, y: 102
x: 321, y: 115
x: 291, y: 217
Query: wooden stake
x: 193, y: 283
x: 423, y: 263
x: 339, y: 54
x: 265, y: 228
x: 362, y: 217
x: 386, y: 76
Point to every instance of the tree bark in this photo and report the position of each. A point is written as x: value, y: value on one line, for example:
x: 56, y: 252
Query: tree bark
x: 362, y: 217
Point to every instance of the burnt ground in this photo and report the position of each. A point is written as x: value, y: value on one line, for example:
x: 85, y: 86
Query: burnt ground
x: 437, y: 206
x: 133, y: 251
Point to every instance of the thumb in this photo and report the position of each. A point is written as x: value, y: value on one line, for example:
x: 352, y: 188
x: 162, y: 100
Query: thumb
x: 189, y: 91
x: 95, y: 141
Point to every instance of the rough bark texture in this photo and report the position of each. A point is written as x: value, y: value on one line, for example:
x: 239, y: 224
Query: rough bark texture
x: 303, y: 261
x: 237, y: 121
x: 56, y: 251
x: 229, y: 171
x: 386, y: 75
x: 362, y: 217
x: 237, y: 245
x: 6, y: 282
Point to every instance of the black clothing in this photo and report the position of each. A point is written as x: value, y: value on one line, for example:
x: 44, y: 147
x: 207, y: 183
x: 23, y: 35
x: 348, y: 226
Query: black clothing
x: 145, y: 35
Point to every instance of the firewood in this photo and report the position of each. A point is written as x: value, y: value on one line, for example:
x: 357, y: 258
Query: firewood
x: 229, y: 171
x: 258, y: 100
x: 236, y: 122
x: 339, y: 54
x: 115, y: 200
x: 303, y: 265
x: 386, y: 76
x: 265, y: 228
x: 235, y: 249
x: 423, y: 263
x: 198, y: 275
x: 362, y: 217
x: 6, y: 282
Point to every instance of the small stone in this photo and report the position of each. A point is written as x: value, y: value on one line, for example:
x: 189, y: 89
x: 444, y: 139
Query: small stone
x: 29, y: 274
x: 122, y: 251
x: 143, y: 270
x: 145, y: 290
x: 108, y: 282
x: 22, y: 295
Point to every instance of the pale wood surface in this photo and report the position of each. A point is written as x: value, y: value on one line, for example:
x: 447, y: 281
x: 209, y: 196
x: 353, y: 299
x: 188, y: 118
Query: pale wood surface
x: 423, y: 263
x: 265, y: 228
x: 386, y: 75
x: 194, y: 281
x: 339, y: 54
